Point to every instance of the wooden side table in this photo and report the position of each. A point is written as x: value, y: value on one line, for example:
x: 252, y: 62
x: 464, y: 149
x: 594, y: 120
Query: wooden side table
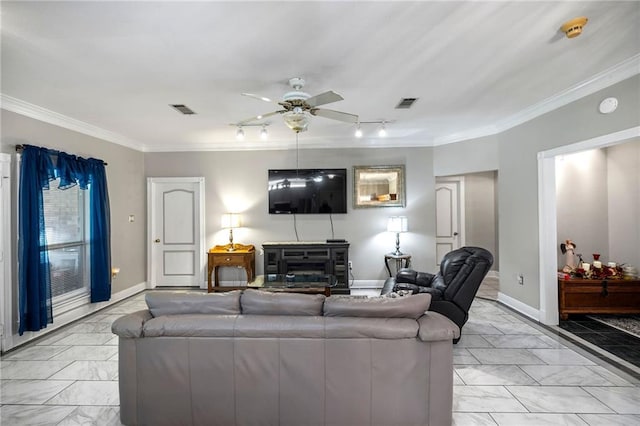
x: 243, y: 256
x: 402, y: 261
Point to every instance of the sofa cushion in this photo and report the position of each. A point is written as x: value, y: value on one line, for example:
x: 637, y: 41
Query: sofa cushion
x: 370, y: 328
x: 377, y: 307
x: 175, y: 302
x: 190, y: 325
x: 256, y: 302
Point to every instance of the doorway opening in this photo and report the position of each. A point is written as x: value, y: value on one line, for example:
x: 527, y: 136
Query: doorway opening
x: 467, y: 215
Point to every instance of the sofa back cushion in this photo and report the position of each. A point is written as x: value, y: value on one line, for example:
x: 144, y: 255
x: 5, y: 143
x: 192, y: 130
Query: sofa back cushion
x: 377, y: 307
x: 175, y: 303
x: 256, y: 302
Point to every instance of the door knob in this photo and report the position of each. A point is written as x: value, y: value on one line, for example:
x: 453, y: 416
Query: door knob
x: 157, y: 240
x: 455, y: 234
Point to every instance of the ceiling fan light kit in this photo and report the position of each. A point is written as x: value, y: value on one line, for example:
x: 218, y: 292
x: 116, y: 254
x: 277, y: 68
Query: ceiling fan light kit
x: 297, y: 107
x: 296, y: 120
x: 573, y: 27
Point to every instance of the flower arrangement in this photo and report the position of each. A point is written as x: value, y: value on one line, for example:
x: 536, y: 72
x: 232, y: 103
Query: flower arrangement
x: 598, y: 271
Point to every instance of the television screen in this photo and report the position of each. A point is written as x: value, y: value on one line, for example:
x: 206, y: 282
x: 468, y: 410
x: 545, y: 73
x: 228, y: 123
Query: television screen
x: 303, y: 191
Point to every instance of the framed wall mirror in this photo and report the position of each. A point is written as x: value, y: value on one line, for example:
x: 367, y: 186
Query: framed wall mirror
x: 378, y: 186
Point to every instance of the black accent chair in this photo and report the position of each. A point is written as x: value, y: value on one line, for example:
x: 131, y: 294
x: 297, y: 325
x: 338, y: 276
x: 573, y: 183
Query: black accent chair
x: 453, y: 288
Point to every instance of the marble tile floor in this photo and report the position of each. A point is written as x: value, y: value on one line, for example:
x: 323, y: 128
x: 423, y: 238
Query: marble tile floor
x: 489, y: 288
x: 624, y: 345
x: 508, y: 371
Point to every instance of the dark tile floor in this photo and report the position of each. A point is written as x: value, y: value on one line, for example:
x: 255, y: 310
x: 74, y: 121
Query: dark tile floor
x: 612, y: 340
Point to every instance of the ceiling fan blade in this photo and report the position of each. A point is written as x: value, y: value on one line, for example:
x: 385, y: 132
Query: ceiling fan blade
x: 260, y: 117
x: 335, y: 115
x: 258, y: 97
x: 324, y: 98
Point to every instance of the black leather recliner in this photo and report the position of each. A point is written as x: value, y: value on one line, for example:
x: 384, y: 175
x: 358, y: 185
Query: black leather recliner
x: 453, y: 288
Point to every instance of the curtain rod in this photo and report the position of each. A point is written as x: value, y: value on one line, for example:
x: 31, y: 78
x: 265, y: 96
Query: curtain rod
x: 20, y: 148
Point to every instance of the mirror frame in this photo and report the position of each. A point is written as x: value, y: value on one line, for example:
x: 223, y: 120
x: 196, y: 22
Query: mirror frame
x: 361, y: 200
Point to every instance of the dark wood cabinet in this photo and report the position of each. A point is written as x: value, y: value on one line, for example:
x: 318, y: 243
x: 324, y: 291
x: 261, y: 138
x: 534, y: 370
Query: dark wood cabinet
x: 309, y: 257
x: 578, y: 296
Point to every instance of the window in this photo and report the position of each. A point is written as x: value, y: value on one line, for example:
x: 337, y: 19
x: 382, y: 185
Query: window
x: 65, y: 213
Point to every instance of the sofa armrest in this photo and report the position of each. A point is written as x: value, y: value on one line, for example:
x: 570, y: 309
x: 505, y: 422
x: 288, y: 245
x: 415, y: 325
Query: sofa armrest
x: 130, y: 326
x: 409, y: 276
x: 406, y: 275
x: 435, y: 326
x: 388, y: 286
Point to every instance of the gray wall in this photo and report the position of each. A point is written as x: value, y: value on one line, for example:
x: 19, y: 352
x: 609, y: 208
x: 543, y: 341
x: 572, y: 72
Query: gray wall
x: 581, y: 203
x: 623, y: 167
x: 126, y: 187
x: 517, y: 165
x: 481, y: 212
x: 598, y: 202
x: 237, y: 181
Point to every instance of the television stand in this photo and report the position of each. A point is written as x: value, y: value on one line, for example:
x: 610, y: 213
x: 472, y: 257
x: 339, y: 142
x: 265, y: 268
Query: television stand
x: 330, y: 258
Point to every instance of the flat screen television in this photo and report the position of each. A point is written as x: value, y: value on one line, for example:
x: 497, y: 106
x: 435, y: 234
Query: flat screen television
x: 307, y: 191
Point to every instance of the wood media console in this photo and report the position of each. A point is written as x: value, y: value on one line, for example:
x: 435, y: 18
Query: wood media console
x: 331, y: 258
x: 579, y: 296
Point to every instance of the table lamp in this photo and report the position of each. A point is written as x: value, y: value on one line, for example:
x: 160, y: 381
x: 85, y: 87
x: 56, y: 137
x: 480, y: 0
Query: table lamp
x: 397, y: 224
x: 230, y: 220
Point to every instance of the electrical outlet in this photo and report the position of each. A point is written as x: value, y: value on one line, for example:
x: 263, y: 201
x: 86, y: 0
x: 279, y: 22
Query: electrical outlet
x: 520, y: 279
x: 350, y: 265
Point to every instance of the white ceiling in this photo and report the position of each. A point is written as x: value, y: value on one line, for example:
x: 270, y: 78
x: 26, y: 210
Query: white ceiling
x: 112, y: 68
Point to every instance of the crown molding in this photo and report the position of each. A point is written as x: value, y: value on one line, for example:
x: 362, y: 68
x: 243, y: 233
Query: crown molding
x: 602, y: 80
x: 27, y: 109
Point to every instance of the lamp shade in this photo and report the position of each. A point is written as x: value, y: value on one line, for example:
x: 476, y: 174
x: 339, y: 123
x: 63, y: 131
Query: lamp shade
x: 397, y: 224
x: 230, y: 220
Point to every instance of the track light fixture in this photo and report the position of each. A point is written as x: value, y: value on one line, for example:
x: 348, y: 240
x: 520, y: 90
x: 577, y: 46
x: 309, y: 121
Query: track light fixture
x: 382, y: 132
x: 240, y: 133
x: 358, y: 133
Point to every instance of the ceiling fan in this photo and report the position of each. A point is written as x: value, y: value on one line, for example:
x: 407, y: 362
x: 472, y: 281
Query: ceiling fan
x: 298, y: 105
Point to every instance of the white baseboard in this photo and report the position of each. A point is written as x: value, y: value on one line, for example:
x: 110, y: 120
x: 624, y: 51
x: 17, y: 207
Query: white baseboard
x: 517, y: 305
x: 366, y: 284
x: 493, y: 274
x: 72, y: 315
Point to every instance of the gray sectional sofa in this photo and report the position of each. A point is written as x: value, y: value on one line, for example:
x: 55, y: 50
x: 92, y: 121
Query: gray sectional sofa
x: 254, y: 357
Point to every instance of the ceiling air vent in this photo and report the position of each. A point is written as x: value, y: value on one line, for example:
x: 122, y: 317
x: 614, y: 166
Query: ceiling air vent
x: 183, y: 109
x: 406, y: 103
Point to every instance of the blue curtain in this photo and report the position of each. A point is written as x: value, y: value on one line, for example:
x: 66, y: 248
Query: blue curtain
x: 100, y: 222
x: 36, y: 171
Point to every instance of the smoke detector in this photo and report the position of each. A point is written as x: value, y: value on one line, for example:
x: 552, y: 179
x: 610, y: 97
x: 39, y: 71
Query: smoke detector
x: 573, y: 27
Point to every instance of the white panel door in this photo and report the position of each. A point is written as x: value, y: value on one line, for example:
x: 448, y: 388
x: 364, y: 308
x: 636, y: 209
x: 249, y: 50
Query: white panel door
x: 176, y: 232
x: 449, y: 222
